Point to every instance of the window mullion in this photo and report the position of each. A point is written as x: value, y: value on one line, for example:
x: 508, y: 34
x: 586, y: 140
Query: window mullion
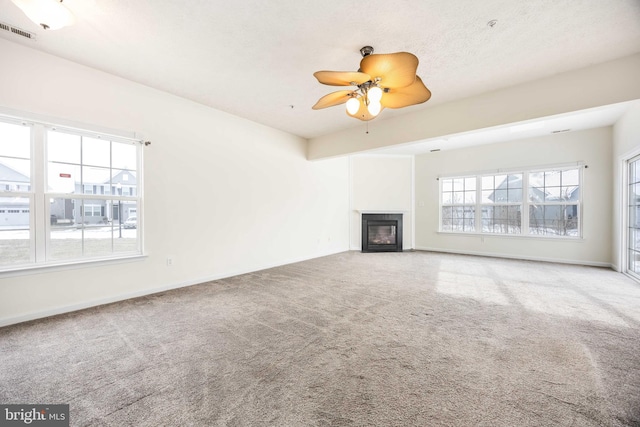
x: 524, y: 216
x: 441, y: 205
x: 580, y: 202
x: 478, y: 204
x: 140, y: 195
x: 41, y: 209
x: 109, y: 205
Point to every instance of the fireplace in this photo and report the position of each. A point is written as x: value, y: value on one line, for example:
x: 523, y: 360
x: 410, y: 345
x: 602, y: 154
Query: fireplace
x: 381, y: 232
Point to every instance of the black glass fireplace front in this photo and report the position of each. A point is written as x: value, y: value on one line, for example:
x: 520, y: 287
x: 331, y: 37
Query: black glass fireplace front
x: 381, y: 232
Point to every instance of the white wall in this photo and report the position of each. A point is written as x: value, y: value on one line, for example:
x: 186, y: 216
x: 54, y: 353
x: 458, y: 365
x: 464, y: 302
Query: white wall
x: 591, y: 146
x: 223, y: 195
x: 626, y: 144
x: 384, y: 184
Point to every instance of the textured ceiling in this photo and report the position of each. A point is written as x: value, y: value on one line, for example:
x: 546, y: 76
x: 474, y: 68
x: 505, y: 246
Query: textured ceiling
x: 256, y: 59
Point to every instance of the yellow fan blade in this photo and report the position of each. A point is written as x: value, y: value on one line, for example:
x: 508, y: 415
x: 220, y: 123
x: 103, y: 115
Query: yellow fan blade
x: 417, y: 93
x: 363, y: 113
x: 341, y: 78
x: 334, y: 98
x: 393, y: 69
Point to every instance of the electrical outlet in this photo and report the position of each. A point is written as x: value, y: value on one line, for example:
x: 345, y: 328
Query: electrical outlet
x: 169, y: 261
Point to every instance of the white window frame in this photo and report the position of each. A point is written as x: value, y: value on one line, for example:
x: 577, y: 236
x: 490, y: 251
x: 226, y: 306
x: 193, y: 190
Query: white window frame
x: 460, y: 205
x: 577, y: 203
x: 625, y: 235
x: 525, y: 203
x: 37, y: 194
x: 501, y: 204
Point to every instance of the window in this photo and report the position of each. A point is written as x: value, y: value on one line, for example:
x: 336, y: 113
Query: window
x: 93, y: 210
x: 502, y: 204
x: 551, y: 206
x: 554, y: 202
x: 633, y: 217
x: 15, y: 168
x: 458, y: 204
x: 61, y: 213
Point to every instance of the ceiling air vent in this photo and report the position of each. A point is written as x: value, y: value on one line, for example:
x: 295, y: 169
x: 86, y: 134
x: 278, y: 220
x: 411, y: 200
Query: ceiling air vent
x: 17, y: 31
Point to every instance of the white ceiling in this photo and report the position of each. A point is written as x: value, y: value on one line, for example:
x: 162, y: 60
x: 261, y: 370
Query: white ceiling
x: 256, y: 59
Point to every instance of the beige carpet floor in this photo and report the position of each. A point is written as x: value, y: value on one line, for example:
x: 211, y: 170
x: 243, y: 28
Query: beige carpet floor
x: 353, y: 339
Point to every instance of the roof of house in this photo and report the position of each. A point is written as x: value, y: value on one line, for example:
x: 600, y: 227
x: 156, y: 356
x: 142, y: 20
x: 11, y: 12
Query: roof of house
x: 8, y: 174
x: 550, y: 186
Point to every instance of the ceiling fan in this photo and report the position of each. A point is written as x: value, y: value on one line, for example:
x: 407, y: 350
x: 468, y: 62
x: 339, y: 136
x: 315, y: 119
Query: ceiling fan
x: 383, y: 81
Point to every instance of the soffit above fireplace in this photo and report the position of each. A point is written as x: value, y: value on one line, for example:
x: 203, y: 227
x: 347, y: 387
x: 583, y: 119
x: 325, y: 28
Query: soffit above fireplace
x: 381, y: 211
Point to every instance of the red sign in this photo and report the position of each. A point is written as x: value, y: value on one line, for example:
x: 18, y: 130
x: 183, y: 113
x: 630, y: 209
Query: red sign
x: 65, y: 175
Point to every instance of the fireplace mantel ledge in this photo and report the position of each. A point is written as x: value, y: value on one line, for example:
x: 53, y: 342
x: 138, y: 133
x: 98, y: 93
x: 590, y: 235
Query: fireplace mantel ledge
x: 381, y: 211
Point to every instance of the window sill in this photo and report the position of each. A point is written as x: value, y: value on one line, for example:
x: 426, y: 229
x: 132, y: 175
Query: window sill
x: 514, y: 236
x: 25, y: 270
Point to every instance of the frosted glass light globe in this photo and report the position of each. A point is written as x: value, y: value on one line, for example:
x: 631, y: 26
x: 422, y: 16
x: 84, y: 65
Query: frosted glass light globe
x: 375, y: 94
x: 353, y: 105
x: 374, y: 107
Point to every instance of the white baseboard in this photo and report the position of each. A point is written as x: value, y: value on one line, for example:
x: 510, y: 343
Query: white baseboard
x: 522, y: 257
x: 121, y: 297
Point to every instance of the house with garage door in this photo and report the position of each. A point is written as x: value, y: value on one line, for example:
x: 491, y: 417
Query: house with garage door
x: 14, y: 211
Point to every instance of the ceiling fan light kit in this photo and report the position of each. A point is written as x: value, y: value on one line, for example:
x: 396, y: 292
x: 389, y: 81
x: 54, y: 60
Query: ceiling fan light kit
x: 49, y: 14
x: 353, y: 105
x: 383, y: 81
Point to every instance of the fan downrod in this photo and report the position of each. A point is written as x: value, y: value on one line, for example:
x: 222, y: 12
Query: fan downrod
x: 366, y: 51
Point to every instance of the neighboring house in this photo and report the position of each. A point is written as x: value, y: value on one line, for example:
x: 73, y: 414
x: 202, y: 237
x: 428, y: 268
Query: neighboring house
x: 561, y: 196
x: 553, y: 207
x: 634, y: 214
x: 501, y: 217
x: 14, y: 211
x: 97, y: 182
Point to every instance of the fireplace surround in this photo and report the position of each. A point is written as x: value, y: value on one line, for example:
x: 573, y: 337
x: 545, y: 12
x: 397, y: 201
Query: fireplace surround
x: 381, y: 232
